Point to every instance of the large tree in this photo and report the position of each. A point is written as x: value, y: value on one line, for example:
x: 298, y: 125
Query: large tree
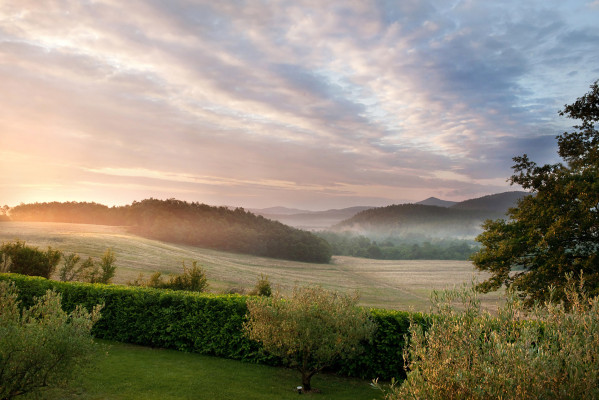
x: 555, y: 230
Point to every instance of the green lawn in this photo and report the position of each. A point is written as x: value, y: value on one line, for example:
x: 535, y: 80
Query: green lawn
x: 135, y: 372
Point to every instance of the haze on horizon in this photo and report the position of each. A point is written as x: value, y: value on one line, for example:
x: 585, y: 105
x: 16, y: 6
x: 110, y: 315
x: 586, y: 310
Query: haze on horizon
x: 311, y: 105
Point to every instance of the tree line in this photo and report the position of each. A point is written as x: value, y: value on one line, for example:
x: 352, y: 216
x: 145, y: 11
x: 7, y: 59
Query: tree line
x: 196, y: 224
x: 395, y: 248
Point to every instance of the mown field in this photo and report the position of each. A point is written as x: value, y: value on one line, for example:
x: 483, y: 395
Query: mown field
x: 384, y: 284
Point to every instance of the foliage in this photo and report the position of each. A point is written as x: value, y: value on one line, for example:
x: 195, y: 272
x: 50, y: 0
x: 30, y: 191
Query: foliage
x: 69, y: 270
x: 208, y: 324
x: 41, y: 346
x: 466, y: 353
x: 555, y: 229
x: 89, y: 270
x: 412, y: 247
x: 195, y: 224
x: 310, y: 330
x: 107, y: 268
x: 27, y: 260
x: 262, y: 287
x: 192, y: 279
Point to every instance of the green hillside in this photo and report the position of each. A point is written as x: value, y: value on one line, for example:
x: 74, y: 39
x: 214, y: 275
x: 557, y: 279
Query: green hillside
x: 194, y: 224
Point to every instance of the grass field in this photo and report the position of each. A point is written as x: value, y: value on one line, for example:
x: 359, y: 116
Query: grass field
x: 386, y: 284
x: 135, y: 372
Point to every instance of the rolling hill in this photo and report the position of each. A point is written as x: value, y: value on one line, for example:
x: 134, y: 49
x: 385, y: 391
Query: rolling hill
x: 460, y: 220
x: 194, y: 224
x: 311, y: 220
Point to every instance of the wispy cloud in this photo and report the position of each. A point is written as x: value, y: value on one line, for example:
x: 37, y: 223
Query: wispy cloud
x: 313, y: 104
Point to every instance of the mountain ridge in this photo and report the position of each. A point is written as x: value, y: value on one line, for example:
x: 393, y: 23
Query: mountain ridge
x: 493, y: 206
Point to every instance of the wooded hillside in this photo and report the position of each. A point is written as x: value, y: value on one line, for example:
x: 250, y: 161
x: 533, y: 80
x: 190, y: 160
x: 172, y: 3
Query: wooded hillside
x: 195, y: 224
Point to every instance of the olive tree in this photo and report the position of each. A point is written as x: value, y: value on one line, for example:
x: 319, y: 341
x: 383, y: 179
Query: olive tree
x: 41, y: 346
x: 544, y: 352
x: 309, y: 330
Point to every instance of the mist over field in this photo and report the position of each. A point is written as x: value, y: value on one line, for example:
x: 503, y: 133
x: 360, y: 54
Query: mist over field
x: 391, y: 284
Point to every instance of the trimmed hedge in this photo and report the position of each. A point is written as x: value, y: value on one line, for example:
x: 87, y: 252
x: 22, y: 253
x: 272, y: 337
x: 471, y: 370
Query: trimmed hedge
x: 207, y: 323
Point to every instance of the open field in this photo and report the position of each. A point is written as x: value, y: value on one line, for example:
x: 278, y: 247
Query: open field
x: 135, y: 372
x: 386, y: 284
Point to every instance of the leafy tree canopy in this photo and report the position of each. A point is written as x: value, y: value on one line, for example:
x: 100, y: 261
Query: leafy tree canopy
x: 555, y: 229
x: 311, y: 330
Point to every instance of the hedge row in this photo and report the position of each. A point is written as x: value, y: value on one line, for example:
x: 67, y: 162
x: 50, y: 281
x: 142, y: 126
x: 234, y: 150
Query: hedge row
x: 206, y: 323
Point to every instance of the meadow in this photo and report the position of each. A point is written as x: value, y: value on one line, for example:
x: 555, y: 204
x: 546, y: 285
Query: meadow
x: 392, y: 284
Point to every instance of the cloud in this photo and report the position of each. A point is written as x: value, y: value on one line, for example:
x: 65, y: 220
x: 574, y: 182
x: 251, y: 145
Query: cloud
x: 290, y: 102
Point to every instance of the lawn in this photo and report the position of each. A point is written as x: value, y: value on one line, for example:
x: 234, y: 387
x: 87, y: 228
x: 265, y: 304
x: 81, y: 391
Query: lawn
x: 400, y: 285
x: 134, y: 372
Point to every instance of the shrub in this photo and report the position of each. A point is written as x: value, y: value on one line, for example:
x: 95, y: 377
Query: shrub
x: 262, y: 287
x: 550, y: 353
x: 69, y: 270
x: 192, y: 279
x: 310, y: 330
x: 41, y: 346
x: 22, y: 259
x: 107, y: 267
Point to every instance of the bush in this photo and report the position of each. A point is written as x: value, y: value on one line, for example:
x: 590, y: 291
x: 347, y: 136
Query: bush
x: 262, y: 287
x: 192, y: 279
x: 41, y: 346
x: 22, y: 259
x: 550, y: 353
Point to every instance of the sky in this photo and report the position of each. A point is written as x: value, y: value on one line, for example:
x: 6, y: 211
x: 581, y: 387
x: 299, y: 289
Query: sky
x: 306, y: 104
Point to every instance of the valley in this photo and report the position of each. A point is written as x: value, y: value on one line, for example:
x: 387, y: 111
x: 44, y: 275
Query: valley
x: 389, y: 284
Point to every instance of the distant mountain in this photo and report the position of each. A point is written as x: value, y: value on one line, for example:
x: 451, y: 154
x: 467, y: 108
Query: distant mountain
x: 311, y: 220
x: 495, y: 203
x: 462, y: 220
x: 433, y: 201
x: 278, y: 211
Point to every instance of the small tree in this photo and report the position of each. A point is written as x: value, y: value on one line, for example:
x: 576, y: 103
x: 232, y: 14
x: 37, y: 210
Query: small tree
x: 310, y: 330
x: 107, y: 266
x: 99, y: 272
x: 41, y: 346
x: 555, y: 230
x: 69, y: 270
x: 262, y: 287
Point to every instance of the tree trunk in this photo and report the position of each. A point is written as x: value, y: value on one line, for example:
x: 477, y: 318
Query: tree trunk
x: 306, y: 377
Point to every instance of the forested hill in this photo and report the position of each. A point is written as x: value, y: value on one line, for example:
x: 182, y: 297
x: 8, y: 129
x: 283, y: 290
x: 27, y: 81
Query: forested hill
x: 461, y: 220
x: 495, y: 204
x: 196, y: 224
